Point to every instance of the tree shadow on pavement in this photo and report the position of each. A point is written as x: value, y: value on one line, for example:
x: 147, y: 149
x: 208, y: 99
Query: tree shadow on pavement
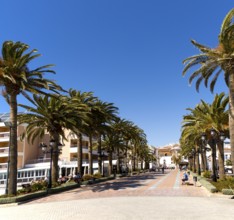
x: 130, y: 182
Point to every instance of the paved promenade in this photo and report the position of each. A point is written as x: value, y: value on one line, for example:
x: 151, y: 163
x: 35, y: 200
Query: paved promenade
x: 146, y: 196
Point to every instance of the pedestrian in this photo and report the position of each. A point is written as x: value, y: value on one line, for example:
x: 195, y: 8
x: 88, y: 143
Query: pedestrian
x: 185, y: 177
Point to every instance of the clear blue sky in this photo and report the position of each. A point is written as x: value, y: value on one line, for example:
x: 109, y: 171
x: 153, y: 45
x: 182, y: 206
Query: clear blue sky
x: 128, y: 52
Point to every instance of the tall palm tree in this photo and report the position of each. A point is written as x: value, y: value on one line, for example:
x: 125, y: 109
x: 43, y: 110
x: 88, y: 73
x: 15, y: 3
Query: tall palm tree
x: 16, y: 78
x: 49, y: 115
x: 214, y: 61
x: 100, y: 113
x: 205, y: 116
x: 81, y: 101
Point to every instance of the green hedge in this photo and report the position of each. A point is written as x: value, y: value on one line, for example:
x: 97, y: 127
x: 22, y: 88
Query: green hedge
x: 62, y: 188
x: 34, y: 195
x: 228, y: 191
x: 208, y: 185
x: 22, y: 198
x: 203, y: 181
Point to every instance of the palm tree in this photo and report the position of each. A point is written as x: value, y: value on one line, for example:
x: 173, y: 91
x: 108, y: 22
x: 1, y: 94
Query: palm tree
x: 203, y: 117
x: 16, y: 78
x: 81, y: 101
x: 50, y: 115
x: 100, y: 113
x: 214, y: 61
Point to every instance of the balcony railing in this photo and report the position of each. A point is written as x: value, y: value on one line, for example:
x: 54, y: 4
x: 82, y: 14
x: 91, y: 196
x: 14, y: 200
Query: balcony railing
x: 40, y: 160
x: 4, y: 150
x: 3, y: 166
x: 75, y: 146
x: 4, y: 135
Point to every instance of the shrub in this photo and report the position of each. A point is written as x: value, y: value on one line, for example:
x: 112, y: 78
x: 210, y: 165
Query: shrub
x: 228, y: 162
x: 87, y: 177
x: 38, y: 185
x: 97, y: 175
x: 207, y: 174
x: 226, y: 183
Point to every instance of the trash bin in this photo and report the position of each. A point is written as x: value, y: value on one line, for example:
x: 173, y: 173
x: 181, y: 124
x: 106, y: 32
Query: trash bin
x: 195, y: 178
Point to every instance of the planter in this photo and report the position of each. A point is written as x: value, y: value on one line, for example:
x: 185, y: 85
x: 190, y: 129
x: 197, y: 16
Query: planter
x: 228, y: 191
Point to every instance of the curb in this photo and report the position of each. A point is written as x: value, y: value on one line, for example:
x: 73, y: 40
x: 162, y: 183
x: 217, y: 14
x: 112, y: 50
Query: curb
x: 211, y: 188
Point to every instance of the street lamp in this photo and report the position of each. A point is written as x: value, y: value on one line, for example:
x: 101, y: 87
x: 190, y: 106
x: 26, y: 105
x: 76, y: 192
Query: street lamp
x: 9, y: 125
x: 50, y: 149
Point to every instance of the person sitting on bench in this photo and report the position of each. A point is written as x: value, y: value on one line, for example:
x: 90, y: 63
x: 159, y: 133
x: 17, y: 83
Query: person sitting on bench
x: 185, y: 178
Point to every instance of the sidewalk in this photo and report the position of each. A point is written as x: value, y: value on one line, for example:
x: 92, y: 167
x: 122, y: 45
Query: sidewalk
x: 147, y: 184
x: 146, y: 196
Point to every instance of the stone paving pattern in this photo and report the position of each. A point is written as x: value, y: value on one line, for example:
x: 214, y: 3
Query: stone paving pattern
x: 144, y: 197
x: 146, y: 184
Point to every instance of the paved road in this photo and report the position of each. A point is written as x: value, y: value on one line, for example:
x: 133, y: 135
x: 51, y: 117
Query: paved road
x: 147, y: 196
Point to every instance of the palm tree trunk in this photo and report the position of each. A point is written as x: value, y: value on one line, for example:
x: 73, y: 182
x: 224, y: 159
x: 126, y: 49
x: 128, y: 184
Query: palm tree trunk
x: 134, y: 158
x: 99, y: 154
x: 12, y: 186
x: 221, y: 160
x: 214, y: 167
x: 197, y: 162
x: 134, y: 163
x: 190, y: 163
x: 110, y: 161
x: 231, y: 115
x: 204, y: 161
x: 79, y: 154
x: 90, y: 155
x: 146, y: 164
x: 118, y: 161
x: 137, y: 162
x: 55, y: 156
x: 194, y: 164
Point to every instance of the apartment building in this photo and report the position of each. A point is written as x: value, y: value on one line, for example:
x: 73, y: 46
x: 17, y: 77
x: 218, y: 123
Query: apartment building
x: 26, y: 151
x: 33, y: 163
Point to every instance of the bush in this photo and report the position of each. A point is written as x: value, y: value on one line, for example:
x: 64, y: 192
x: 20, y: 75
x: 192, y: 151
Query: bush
x: 38, y: 185
x: 226, y: 183
x: 228, y: 191
x: 228, y: 162
x: 87, y: 177
x: 97, y: 175
x: 207, y: 174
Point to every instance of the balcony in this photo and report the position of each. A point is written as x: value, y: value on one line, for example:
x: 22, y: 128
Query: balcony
x: 85, y: 150
x: 3, y: 166
x: 4, y: 136
x: 4, y: 151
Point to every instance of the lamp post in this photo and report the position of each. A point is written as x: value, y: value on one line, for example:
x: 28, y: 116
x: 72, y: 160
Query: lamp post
x: 9, y: 125
x: 50, y: 149
x: 195, y: 152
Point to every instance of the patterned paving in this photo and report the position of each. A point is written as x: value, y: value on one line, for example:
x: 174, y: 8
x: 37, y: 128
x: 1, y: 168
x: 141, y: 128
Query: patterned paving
x: 147, y: 184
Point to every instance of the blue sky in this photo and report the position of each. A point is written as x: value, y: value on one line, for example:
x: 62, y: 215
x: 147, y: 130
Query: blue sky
x: 128, y: 52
